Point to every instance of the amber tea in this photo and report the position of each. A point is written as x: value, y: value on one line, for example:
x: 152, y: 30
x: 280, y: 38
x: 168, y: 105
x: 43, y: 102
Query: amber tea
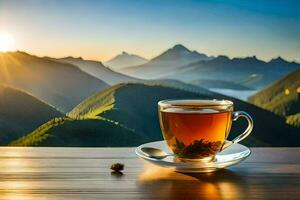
x: 195, y: 135
x: 197, y: 129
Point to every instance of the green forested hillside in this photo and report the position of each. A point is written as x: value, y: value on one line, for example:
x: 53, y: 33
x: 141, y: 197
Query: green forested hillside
x: 282, y: 97
x: 68, y: 132
x: 136, y: 107
x: 95, y: 104
x: 21, y: 113
x: 294, y: 120
x: 130, y: 110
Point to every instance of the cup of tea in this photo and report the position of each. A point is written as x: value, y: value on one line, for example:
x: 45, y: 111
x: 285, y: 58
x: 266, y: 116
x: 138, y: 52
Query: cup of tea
x: 197, y: 129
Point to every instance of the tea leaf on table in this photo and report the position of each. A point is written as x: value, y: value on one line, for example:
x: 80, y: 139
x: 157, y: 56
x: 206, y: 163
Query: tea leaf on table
x: 117, y: 167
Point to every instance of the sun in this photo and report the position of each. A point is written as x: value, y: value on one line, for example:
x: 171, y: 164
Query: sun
x: 7, y: 42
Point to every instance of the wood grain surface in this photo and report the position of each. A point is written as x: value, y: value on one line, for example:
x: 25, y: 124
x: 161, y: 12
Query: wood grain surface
x: 84, y: 173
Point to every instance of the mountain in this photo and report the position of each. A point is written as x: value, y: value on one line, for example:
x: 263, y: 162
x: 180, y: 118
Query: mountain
x: 250, y: 71
x: 282, y: 97
x: 59, y: 84
x: 98, y: 70
x: 125, y: 60
x: 181, y: 54
x: 66, y: 132
x: 282, y: 62
x: 165, y: 63
x: 130, y: 110
x: 135, y: 107
x: 21, y: 113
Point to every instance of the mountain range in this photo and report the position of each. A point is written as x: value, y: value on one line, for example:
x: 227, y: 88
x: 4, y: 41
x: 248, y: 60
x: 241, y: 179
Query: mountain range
x: 248, y: 71
x: 182, y: 64
x: 76, y: 102
x: 125, y: 60
x: 165, y: 63
x: 61, y: 85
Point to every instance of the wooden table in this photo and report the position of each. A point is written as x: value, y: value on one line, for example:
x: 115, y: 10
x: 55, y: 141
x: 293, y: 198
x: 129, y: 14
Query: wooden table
x: 83, y: 173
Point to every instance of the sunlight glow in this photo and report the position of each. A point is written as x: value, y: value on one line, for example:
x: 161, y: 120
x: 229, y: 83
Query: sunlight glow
x: 7, y: 42
x: 298, y: 90
x: 286, y: 91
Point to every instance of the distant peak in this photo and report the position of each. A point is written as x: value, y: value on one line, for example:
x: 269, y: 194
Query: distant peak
x: 71, y: 57
x: 252, y: 58
x: 20, y: 52
x: 222, y: 58
x: 180, y: 47
x: 124, y: 59
x: 278, y: 60
x: 68, y: 57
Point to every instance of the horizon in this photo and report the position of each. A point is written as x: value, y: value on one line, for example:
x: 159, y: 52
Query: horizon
x: 83, y: 29
x: 149, y: 59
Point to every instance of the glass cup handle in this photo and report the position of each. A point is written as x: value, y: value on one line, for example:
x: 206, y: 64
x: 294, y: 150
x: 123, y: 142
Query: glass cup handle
x: 235, y: 116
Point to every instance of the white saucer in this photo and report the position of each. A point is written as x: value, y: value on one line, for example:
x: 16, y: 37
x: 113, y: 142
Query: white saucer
x: 228, y: 157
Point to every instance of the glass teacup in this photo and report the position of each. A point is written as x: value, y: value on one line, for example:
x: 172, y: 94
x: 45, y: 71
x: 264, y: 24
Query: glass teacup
x: 197, y: 129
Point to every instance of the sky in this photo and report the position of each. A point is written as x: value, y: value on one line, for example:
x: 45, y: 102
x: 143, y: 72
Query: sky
x: 101, y: 29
